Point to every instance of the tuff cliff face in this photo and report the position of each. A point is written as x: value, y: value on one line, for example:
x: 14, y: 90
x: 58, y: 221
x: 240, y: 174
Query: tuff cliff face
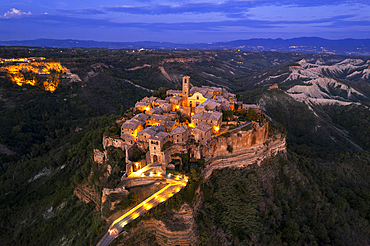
x: 180, y: 230
x: 236, y: 142
x: 245, y: 156
x: 86, y: 194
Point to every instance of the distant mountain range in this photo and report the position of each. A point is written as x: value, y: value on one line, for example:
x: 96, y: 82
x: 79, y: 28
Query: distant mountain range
x: 355, y: 47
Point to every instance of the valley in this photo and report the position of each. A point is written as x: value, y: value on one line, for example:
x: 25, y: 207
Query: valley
x: 305, y: 183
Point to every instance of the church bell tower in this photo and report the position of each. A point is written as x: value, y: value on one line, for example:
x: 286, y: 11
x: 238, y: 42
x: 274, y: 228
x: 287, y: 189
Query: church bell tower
x: 185, y: 90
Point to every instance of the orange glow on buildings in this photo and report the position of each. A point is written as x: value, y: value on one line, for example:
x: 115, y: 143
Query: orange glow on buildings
x: 216, y: 128
x: 135, y: 133
x: 153, y: 124
x: 16, y: 72
x: 192, y: 125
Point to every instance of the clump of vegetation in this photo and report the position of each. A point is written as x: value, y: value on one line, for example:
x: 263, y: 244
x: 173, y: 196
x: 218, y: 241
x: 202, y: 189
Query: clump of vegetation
x: 138, y: 154
x: 246, y: 128
x: 294, y: 200
x: 161, y: 92
x: 229, y: 148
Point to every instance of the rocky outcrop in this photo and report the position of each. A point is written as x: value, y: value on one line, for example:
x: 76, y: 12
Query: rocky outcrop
x: 115, y: 142
x: 87, y: 195
x: 5, y: 150
x: 246, y: 156
x: 99, y: 156
x: 181, y: 230
x: 106, y: 192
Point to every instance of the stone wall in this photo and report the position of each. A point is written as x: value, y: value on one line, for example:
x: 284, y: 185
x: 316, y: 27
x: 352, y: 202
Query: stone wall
x: 238, y: 140
x: 115, y: 142
x: 176, y: 148
x: 99, y: 156
x: 129, y: 152
x: 243, y: 157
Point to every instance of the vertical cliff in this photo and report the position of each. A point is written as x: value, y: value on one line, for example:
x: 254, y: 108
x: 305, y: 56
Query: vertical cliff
x: 180, y: 229
x: 242, y: 148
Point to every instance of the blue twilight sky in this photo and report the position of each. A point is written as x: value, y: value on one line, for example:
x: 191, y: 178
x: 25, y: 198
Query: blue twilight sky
x: 183, y: 21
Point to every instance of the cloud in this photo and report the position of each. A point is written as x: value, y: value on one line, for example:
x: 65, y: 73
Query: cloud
x: 82, y: 11
x: 339, y: 21
x: 15, y: 13
x: 230, y: 7
x: 196, y: 8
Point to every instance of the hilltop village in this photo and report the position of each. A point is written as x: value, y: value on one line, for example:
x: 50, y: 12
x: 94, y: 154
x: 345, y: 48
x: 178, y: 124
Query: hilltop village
x: 186, y: 122
x: 36, y: 71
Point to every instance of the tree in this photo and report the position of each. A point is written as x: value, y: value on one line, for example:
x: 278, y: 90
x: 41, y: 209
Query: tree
x: 252, y: 115
x: 122, y: 110
x: 227, y: 114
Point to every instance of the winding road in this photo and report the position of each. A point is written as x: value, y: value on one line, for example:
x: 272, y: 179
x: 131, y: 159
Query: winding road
x: 175, y: 185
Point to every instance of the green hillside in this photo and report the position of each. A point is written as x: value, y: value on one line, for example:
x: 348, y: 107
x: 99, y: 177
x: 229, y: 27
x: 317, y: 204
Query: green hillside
x: 318, y: 194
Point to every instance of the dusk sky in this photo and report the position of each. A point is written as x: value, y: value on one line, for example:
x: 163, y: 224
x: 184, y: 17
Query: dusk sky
x: 183, y: 21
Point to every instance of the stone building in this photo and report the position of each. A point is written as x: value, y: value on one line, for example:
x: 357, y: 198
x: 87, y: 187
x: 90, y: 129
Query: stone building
x: 202, y: 133
x: 195, y: 100
x: 256, y: 107
x: 127, y: 139
x: 212, y: 118
x: 155, y: 110
x: 170, y: 125
x: 209, y: 105
x: 166, y: 107
x: 132, y: 127
x: 176, y: 102
x: 202, y: 104
x: 180, y: 134
x: 185, y: 90
x: 148, y: 132
x: 142, y: 117
x: 157, y: 120
x: 174, y: 93
x: 143, y: 106
x: 156, y: 143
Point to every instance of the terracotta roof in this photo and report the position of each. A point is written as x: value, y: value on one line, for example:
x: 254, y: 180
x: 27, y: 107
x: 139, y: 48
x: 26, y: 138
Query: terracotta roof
x: 204, y: 127
x: 149, y: 131
x: 170, y: 123
x: 210, y: 103
x: 156, y: 110
x: 180, y: 129
x: 206, y: 115
x: 149, y: 99
x: 159, y: 101
x: 160, y: 136
x: 159, y: 117
x: 173, y: 92
x: 142, y: 103
x: 141, y: 117
x: 126, y: 136
x: 131, y: 124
